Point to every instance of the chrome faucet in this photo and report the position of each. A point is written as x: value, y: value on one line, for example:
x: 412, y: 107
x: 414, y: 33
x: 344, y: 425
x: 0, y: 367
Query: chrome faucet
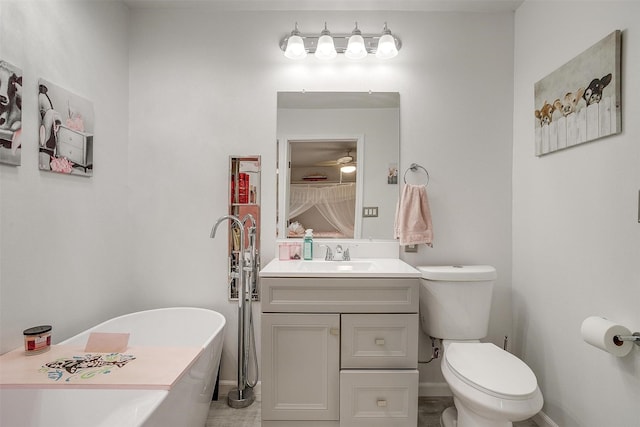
x: 328, y: 256
x: 223, y: 218
x: 339, y: 254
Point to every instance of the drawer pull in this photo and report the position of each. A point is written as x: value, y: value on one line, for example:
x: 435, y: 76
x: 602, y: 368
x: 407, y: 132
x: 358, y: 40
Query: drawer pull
x: 379, y: 341
x: 334, y: 331
x: 382, y: 403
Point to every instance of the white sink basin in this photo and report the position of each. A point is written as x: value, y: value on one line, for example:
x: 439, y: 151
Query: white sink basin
x: 366, y: 267
x: 336, y: 266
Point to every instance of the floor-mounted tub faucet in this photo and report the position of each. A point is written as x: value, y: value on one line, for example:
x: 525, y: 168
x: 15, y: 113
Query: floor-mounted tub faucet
x: 242, y: 396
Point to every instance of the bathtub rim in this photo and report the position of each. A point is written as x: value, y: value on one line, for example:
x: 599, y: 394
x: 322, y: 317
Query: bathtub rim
x: 212, y: 336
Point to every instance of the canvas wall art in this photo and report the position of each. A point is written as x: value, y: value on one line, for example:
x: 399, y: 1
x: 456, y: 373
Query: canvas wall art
x: 580, y: 101
x: 10, y: 114
x: 66, y: 131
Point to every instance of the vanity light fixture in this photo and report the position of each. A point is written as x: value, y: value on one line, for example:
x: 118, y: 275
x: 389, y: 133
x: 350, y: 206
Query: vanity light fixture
x: 354, y: 45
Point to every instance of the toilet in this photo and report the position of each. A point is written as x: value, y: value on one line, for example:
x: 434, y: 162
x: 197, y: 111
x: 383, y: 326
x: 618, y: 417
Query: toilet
x: 490, y: 386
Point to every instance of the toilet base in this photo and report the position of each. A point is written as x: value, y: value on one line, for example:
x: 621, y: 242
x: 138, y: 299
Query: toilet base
x: 449, y: 417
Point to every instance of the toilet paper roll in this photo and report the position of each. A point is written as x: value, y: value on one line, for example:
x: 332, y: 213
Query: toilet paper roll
x: 600, y: 333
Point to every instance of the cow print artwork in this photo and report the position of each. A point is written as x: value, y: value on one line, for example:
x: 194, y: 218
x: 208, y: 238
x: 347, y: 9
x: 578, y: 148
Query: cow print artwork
x: 85, y: 366
x: 10, y: 114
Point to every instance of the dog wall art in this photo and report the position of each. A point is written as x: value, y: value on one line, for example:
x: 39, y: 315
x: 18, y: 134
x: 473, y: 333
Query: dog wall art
x: 580, y: 101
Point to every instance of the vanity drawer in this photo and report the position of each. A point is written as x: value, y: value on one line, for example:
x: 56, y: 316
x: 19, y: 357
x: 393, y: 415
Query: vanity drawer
x: 378, y: 398
x: 339, y: 295
x: 379, y: 341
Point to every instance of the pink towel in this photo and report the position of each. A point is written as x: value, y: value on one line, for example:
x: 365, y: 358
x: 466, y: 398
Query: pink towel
x: 413, y: 217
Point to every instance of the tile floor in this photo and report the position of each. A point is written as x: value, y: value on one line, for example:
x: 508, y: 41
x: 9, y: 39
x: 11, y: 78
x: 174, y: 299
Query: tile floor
x: 429, y: 410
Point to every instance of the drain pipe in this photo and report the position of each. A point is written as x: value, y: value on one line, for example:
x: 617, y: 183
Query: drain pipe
x: 239, y: 397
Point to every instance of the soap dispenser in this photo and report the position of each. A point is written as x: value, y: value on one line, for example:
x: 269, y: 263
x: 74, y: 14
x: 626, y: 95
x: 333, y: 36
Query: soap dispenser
x: 307, y: 245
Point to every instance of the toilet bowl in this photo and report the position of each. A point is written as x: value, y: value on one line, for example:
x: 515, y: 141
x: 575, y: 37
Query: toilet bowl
x: 491, y: 387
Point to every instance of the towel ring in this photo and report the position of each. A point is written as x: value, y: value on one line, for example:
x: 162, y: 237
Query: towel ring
x: 413, y: 167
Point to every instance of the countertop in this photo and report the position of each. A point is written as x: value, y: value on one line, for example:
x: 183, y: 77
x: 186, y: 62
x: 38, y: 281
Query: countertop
x: 357, y: 267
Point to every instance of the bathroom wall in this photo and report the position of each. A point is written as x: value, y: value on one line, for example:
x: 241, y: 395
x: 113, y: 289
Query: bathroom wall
x: 576, y: 236
x: 203, y: 86
x: 64, y: 239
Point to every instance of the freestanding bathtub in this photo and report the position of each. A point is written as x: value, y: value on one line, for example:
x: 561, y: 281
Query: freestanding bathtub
x: 186, y: 404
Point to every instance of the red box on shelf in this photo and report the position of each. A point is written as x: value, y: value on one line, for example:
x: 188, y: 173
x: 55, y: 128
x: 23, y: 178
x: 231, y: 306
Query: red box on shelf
x: 243, y: 188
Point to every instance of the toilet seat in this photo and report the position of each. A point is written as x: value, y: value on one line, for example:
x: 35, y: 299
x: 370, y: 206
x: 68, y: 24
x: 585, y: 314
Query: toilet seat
x: 488, y: 368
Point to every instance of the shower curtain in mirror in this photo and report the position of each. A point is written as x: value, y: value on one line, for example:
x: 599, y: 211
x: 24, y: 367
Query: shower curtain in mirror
x: 335, y: 203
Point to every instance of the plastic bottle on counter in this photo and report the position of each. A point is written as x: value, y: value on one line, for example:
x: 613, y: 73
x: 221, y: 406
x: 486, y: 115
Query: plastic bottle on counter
x: 307, y: 245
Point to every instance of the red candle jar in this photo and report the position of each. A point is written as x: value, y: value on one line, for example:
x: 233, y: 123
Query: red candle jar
x: 37, y: 339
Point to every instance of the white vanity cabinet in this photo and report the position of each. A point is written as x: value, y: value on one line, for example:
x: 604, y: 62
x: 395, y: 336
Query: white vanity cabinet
x: 339, y: 351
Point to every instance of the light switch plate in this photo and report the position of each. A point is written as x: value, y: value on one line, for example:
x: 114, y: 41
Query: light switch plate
x: 370, y: 212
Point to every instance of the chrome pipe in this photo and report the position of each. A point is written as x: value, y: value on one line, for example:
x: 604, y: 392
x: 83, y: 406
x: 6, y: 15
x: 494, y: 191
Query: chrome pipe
x: 634, y: 338
x: 251, y: 283
x: 240, y: 397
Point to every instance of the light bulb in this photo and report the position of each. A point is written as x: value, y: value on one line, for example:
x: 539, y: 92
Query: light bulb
x: 356, y: 48
x: 295, y: 48
x: 325, y: 49
x: 386, y: 45
x: 295, y: 45
x: 348, y: 169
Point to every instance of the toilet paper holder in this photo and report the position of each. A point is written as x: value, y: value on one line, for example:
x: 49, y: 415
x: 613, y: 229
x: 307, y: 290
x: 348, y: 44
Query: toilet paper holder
x: 620, y: 339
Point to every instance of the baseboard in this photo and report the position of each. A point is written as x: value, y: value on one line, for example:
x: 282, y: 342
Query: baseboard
x: 225, y: 386
x: 543, y: 420
x: 434, y: 389
x: 424, y: 389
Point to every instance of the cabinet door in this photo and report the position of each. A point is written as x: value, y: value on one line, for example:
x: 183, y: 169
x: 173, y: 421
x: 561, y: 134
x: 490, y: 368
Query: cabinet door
x: 300, y: 366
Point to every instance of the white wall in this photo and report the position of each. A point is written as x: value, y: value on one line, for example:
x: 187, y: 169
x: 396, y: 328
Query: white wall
x: 203, y: 86
x: 64, y: 239
x: 576, y: 237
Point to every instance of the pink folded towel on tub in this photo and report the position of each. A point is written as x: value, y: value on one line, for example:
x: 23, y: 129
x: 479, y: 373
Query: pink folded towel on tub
x: 413, y: 217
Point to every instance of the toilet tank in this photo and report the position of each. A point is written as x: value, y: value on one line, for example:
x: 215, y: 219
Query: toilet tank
x: 455, y: 301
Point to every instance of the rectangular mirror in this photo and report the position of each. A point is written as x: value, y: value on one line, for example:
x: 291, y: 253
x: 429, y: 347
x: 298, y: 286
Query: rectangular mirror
x: 338, y: 156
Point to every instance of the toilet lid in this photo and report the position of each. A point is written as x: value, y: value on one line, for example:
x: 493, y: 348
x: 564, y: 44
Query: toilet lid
x: 488, y: 367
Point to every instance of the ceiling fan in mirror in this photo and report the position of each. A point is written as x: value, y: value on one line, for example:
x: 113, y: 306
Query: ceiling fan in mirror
x: 345, y: 161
